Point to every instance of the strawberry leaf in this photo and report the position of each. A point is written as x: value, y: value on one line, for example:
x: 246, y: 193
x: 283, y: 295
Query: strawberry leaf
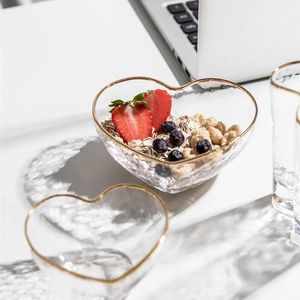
x: 116, y: 102
x: 140, y: 100
x: 139, y: 97
x: 139, y: 103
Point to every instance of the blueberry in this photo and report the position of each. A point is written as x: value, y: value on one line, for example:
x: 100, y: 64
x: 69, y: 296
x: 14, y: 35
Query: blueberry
x: 176, y: 137
x: 168, y: 126
x: 160, y: 145
x: 203, y: 146
x: 175, y: 155
x: 162, y: 171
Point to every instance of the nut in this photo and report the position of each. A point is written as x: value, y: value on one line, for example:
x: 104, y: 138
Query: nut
x: 215, y: 135
x: 223, y: 141
x: 197, y: 135
x: 235, y: 128
x: 210, y: 122
x: 230, y: 135
x: 221, y: 126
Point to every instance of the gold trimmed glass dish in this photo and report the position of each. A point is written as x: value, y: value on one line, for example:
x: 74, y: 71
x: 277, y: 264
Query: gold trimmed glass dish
x: 295, y: 234
x: 106, y: 254
x: 217, y: 98
x: 285, y: 96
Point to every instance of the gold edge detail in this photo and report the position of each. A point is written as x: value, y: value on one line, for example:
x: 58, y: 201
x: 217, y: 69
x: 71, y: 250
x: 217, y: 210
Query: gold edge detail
x: 273, y: 83
x: 94, y: 200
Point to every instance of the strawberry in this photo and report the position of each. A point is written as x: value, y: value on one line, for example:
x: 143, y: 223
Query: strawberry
x: 160, y: 104
x: 132, y: 119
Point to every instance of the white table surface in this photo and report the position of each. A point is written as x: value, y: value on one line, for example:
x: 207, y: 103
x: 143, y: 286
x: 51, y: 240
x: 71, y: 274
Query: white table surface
x: 247, y: 178
x: 57, y: 54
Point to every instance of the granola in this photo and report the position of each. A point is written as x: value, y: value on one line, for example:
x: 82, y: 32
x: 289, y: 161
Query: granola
x: 194, y: 129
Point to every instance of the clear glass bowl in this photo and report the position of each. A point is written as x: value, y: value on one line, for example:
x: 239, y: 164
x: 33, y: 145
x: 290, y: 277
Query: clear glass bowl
x: 224, y: 100
x: 112, y: 245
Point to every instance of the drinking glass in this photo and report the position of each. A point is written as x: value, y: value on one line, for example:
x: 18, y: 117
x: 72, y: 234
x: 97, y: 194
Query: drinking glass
x: 296, y: 227
x: 285, y: 92
x: 104, y: 251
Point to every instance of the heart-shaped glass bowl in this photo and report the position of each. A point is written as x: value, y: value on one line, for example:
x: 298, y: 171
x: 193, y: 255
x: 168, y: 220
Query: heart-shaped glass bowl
x: 107, y: 253
x: 224, y: 100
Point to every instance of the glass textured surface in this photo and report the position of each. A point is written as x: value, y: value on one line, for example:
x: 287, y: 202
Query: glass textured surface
x: 226, y: 257
x: 83, y: 166
x: 237, y: 252
x: 216, y: 98
x: 109, y: 249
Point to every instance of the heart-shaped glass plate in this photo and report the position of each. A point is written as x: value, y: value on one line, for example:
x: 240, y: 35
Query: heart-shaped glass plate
x: 105, y: 255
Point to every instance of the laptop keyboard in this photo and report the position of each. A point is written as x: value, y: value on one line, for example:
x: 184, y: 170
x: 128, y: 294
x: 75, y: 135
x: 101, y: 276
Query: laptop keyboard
x: 186, y: 15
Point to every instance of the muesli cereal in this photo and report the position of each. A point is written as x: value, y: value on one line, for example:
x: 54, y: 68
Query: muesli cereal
x: 146, y: 125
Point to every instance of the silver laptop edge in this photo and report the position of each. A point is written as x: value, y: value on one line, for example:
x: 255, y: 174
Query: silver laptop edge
x: 172, y: 33
x: 239, y: 40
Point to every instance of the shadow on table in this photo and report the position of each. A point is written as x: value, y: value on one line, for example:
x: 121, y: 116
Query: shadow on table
x: 84, y: 167
x: 226, y: 257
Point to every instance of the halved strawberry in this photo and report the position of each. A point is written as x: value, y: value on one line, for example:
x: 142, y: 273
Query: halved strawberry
x: 133, y: 121
x: 160, y: 104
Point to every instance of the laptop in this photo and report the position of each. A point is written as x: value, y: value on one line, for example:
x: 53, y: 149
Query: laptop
x: 240, y: 40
